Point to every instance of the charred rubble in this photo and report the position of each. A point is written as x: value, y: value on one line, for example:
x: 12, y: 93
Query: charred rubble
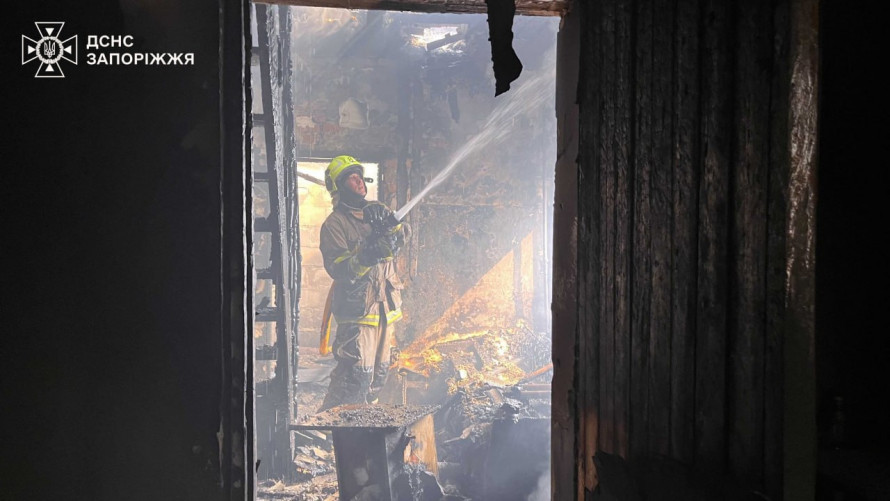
x: 488, y: 393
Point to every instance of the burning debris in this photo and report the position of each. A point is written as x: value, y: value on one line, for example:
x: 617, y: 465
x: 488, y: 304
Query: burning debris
x: 323, y: 488
x: 482, y: 391
x: 313, y: 461
x: 432, y: 370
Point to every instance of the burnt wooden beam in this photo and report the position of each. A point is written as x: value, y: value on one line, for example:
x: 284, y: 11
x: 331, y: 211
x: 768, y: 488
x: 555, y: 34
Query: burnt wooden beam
x: 686, y: 159
x: 592, y: 228
x: 640, y: 216
x: 622, y: 126
x: 800, y: 273
x: 266, y: 352
x: 776, y: 250
x: 273, y: 29
x: 310, y: 177
x: 567, y: 459
x: 523, y: 7
x: 445, y: 41
x: 368, y: 30
x: 747, y: 241
x: 660, y: 391
x: 517, y: 279
x: 236, y: 439
x: 597, y: 269
x: 713, y: 206
x: 264, y: 224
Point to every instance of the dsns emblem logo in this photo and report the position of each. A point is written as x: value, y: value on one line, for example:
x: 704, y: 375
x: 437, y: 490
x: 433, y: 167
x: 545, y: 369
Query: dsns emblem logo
x: 50, y: 50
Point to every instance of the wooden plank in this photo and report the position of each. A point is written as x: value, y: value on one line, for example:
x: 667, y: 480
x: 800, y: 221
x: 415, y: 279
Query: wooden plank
x: 685, y: 223
x: 235, y: 330
x: 412, y: 161
x: 799, y: 426
x: 523, y: 7
x: 589, y: 273
x: 565, y: 455
x: 291, y: 223
x: 710, y: 349
x: 641, y: 278
x: 517, y: 280
x: 659, y: 382
x: 423, y: 445
x: 604, y: 81
x: 623, y: 147
x: 748, y: 243
x: 273, y: 40
x: 404, y: 126
x: 775, y: 274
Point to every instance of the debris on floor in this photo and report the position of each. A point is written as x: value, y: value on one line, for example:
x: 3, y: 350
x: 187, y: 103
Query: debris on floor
x: 490, y: 395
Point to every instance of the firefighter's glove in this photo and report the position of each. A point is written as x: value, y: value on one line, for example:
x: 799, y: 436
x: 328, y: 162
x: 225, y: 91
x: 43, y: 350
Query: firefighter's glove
x: 389, y: 245
x: 373, y: 251
x: 380, y: 217
x: 394, y: 240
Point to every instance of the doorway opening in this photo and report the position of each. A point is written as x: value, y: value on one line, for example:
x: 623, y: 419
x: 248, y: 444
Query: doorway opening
x: 410, y: 96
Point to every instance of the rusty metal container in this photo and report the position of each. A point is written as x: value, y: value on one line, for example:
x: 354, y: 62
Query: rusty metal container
x: 377, y: 446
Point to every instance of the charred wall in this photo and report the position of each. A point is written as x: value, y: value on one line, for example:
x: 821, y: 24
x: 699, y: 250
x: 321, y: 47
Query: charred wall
x: 496, y: 197
x: 340, y: 57
x: 693, y: 258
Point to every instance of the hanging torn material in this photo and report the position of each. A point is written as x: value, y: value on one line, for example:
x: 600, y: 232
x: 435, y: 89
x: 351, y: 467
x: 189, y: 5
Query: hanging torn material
x: 507, y: 66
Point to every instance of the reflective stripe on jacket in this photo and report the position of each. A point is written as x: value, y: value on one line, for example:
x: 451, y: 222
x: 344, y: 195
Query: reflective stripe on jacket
x: 357, y: 288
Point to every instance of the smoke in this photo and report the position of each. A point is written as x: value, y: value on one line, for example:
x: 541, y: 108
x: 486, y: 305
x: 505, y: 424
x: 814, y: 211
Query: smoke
x: 542, y: 491
x: 528, y: 96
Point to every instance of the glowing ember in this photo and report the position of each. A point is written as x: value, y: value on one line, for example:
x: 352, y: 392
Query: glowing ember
x: 431, y: 357
x: 474, y: 359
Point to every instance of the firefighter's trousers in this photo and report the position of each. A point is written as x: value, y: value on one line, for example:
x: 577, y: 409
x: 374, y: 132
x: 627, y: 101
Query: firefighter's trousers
x: 362, y: 353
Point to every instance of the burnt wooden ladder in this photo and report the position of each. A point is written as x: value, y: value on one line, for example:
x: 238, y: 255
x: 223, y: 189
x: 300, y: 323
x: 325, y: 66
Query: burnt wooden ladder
x: 279, y: 232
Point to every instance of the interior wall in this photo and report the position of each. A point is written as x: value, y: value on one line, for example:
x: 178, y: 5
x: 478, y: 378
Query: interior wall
x: 688, y: 221
x: 684, y: 237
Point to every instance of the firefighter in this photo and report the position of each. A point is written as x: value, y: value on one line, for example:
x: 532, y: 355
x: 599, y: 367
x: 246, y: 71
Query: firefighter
x: 365, y: 298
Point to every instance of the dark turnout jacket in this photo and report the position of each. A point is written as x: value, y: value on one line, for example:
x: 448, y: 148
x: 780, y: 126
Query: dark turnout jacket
x: 357, y: 288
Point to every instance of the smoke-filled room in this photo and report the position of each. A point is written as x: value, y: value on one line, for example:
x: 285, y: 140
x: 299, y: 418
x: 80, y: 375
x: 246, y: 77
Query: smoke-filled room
x: 403, y: 193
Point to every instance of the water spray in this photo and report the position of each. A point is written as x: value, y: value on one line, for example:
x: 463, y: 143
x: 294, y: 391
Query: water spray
x: 527, y: 96
x: 496, y: 128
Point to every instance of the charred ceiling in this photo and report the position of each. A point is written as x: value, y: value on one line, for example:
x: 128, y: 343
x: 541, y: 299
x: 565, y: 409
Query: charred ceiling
x: 523, y: 7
